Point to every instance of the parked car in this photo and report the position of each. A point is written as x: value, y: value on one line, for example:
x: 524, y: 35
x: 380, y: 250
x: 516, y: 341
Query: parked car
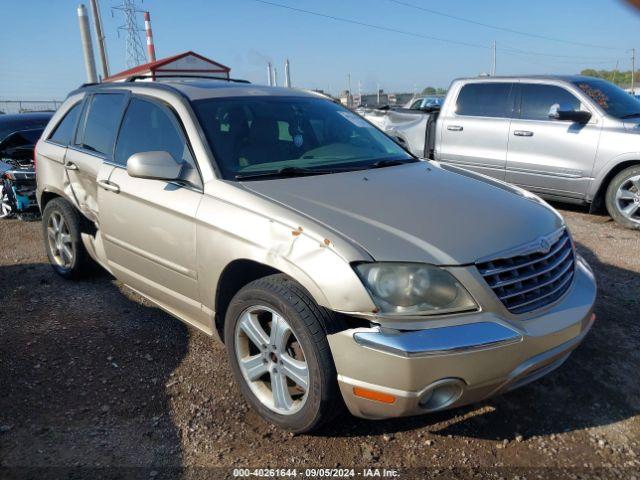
x: 567, y: 138
x: 10, y: 123
x: 18, y: 136
x: 425, y: 103
x: 337, y: 268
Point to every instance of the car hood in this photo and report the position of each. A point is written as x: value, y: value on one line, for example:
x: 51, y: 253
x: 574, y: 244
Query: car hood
x: 417, y: 212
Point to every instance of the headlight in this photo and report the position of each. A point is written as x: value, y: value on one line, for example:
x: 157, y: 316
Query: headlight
x: 414, y: 289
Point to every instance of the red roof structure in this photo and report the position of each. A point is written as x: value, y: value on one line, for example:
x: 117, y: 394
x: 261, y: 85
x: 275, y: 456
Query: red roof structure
x: 187, y: 63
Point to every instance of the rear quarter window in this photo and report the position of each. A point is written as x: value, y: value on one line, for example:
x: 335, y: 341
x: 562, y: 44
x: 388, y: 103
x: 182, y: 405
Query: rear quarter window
x: 63, y: 132
x: 485, y: 100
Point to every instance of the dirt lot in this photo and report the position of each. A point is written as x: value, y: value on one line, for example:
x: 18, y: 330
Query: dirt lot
x: 93, y: 378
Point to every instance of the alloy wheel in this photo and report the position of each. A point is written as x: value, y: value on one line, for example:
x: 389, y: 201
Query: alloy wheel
x: 628, y: 198
x: 59, y: 239
x: 271, y: 360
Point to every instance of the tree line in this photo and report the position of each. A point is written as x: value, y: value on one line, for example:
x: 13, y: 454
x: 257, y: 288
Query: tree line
x: 434, y: 91
x: 621, y: 78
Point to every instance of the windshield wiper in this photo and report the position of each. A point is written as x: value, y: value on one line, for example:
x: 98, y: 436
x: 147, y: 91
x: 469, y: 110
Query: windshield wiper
x: 631, y: 115
x: 284, y: 172
x: 391, y: 163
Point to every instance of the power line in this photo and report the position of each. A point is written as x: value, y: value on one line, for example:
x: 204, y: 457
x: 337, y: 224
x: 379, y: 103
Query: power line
x: 420, y: 35
x: 497, y: 27
x: 554, y: 55
x: 370, y: 25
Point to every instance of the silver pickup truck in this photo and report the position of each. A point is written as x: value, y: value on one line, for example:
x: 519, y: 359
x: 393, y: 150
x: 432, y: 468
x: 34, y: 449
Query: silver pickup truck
x: 567, y: 138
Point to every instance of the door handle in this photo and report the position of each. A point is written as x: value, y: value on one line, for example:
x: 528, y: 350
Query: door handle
x: 455, y: 128
x: 70, y: 166
x: 110, y: 186
x: 523, y: 133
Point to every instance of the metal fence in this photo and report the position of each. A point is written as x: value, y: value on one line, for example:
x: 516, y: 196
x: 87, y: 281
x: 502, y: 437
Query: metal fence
x: 21, y: 106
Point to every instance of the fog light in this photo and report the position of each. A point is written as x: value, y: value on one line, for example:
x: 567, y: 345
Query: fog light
x: 442, y: 393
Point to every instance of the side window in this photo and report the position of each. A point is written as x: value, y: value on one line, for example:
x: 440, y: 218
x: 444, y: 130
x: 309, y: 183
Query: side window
x: 149, y: 127
x: 63, y: 132
x: 538, y: 99
x: 416, y: 105
x: 485, y: 100
x: 101, y: 124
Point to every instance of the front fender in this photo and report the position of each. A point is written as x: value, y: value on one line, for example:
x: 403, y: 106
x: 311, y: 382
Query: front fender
x: 604, y: 170
x: 251, y: 228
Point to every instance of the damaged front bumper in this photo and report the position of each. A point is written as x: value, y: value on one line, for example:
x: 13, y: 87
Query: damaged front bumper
x: 386, y: 373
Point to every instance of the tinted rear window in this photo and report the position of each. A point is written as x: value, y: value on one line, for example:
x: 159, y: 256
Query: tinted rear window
x: 102, y: 122
x: 64, y: 131
x: 485, y: 100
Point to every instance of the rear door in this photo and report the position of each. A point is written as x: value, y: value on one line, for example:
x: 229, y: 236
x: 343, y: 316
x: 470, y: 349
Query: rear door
x: 475, y: 131
x: 148, y: 226
x: 551, y: 156
x: 52, y: 150
x: 88, y: 159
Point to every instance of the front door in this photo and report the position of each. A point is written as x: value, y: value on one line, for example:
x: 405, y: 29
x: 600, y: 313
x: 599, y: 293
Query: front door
x: 475, y: 135
x: 551, y: 156
x: 148, y: 225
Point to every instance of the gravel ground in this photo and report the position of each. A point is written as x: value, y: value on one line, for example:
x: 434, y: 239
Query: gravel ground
x: 96, y: 383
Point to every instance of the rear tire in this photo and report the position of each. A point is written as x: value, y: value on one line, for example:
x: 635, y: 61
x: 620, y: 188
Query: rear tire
x: 252, y: 340
x: 62, y: 227
x: 623, y: 197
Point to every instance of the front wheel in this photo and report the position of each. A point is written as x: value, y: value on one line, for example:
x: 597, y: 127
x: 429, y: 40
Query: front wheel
x: 623, y: 197
x: 278, y: 349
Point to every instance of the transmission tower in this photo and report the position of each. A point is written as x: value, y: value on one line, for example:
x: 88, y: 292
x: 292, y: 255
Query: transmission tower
x: 135, y: 52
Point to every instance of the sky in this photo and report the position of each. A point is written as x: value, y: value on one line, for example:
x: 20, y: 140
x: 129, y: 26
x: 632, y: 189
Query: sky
x: 402, y: 48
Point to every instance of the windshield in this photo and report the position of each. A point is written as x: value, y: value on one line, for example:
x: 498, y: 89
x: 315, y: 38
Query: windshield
x: 612, y: 99
x: 256, y: 135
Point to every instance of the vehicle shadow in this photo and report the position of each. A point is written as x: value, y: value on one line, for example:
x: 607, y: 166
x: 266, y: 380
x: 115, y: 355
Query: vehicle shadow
x: 597, y: 385
x: 83, y: 371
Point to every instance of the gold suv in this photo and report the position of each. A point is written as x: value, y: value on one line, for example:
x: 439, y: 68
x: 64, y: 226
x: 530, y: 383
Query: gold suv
x: 338, y: 269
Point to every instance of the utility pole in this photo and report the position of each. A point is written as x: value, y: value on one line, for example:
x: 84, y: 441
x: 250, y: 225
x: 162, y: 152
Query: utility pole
x: 275, y: 77
x: 493, y: 60
x: 269, y: 74
x: 87, y: 46
x: 633, y: 71
x: 349, y: 97
x: 378, y: 93
x: 615, y: 70
x: 102, y: 49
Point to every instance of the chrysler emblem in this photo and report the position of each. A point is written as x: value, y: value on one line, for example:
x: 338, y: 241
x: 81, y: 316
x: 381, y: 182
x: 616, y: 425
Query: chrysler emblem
x: 545, y: 246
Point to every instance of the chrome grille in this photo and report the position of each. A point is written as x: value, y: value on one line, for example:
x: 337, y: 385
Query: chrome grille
x: 529, y: 281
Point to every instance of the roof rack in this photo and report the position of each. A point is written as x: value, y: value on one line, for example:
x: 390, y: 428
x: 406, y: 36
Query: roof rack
x: 133, y: 78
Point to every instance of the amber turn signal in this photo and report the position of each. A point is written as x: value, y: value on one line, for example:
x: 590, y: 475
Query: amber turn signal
x: 373, y: 395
